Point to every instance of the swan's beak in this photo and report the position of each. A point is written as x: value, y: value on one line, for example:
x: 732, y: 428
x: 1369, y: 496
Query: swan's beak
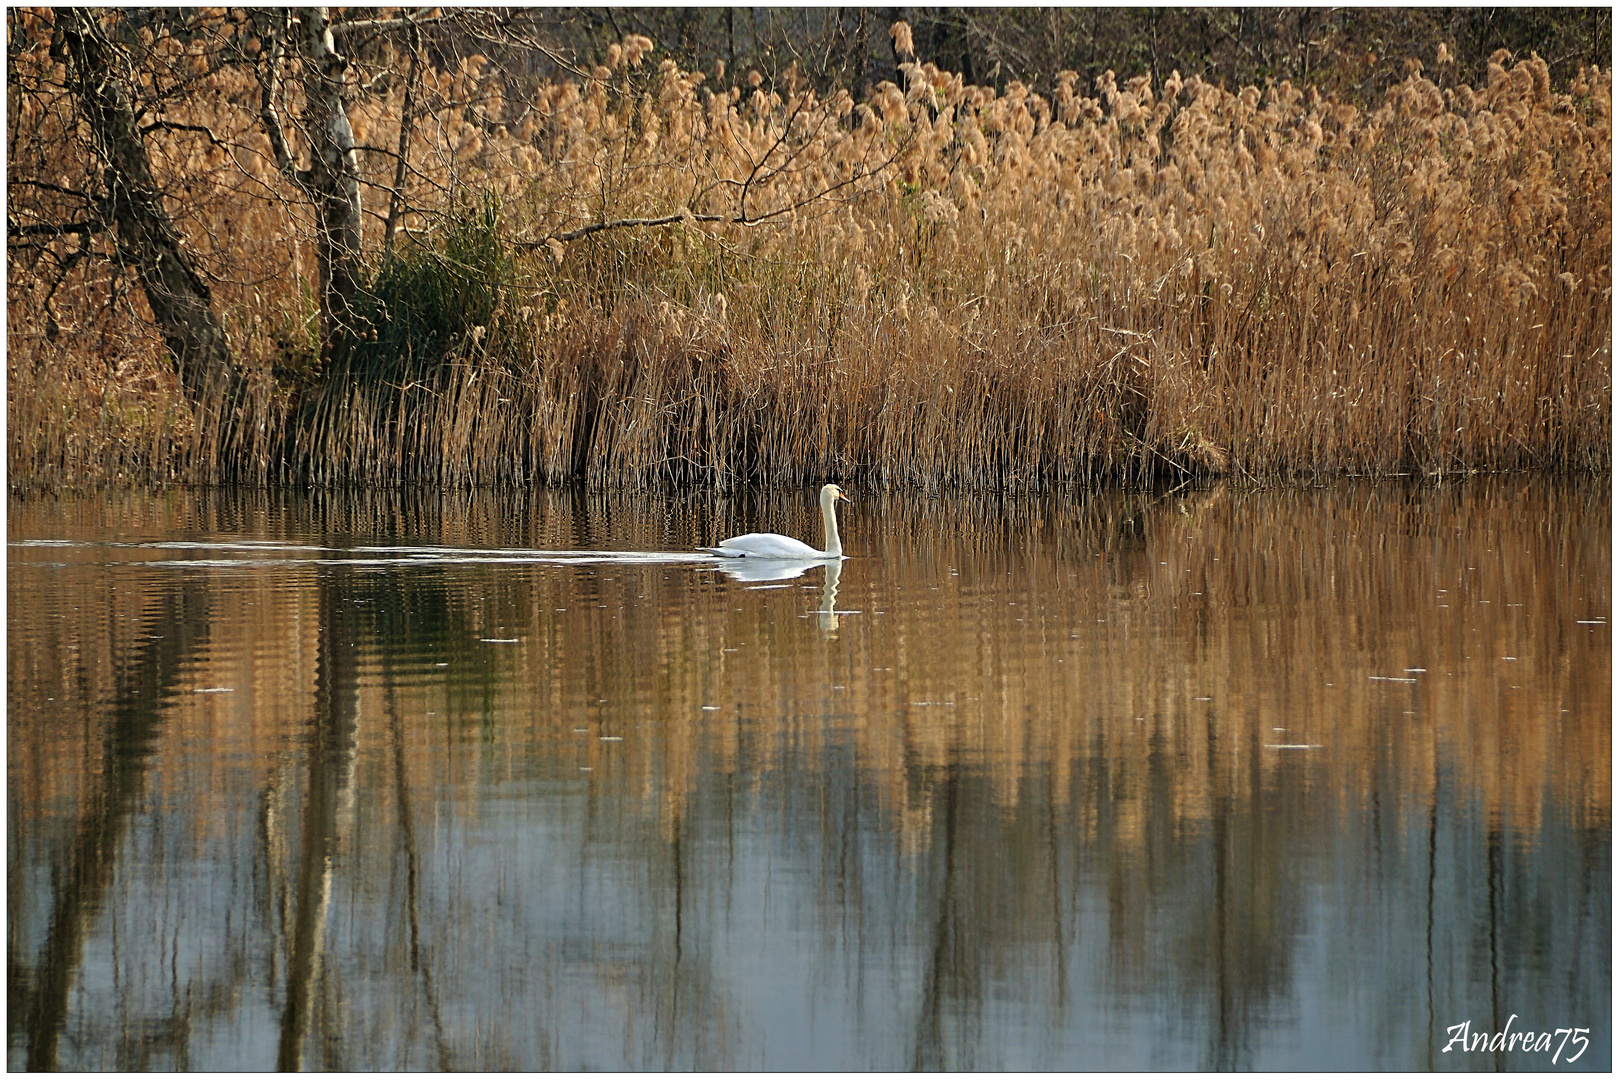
x: 844, y: 496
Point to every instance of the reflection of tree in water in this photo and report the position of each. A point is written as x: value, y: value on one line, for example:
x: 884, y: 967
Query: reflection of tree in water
x: 1236, y: 949
x: 978, y: 914
x: 952, y: 975
x: 323, y: 822
x: 988, y: 904
x: 39, y: 992
x: 417, y: 984
x: 1215, y: 912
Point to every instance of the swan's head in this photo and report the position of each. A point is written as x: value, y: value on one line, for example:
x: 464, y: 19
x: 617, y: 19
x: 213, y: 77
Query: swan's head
x: 832, y: 493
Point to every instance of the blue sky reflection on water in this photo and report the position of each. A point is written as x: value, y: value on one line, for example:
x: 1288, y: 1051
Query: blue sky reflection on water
x: 1217, y: 779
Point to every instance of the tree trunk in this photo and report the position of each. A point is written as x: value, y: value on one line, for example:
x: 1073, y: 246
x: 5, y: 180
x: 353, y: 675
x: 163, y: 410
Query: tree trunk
x: 333, y: 180
x: 147, y: 238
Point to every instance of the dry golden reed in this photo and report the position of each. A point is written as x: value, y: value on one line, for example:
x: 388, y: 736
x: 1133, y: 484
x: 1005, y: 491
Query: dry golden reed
x: 942, y: 285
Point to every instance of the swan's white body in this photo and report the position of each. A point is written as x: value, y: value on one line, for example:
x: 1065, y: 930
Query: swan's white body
x: 777, y: 546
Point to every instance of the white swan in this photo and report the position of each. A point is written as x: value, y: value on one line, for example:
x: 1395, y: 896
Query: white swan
x: 777, y: 546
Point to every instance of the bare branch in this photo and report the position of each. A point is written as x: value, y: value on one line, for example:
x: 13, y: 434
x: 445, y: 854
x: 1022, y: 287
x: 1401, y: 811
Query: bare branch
x: 786, y: 127
x: 172, y: 125
x: 407, y: 125
x: 46, y: 186
x: 408, y: 22
x: 270, y: 90
x: 628, y: 223
x: 68, y: 228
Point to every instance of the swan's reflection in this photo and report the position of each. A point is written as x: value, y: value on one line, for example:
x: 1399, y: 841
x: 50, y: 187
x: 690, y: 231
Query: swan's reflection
x: 828, y: 614
x: 786, y: 570
x: 769, y: 569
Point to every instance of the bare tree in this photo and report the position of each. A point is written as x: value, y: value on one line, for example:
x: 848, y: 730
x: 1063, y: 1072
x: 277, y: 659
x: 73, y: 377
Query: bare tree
x: 132, y: 206
x: 308, y: 38
x: 331, y: 182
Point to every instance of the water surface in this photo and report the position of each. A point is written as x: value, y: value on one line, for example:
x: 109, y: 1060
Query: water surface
x: 1192, y: 779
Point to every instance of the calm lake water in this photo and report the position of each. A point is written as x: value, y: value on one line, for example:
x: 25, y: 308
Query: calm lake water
x: 1200, y: 779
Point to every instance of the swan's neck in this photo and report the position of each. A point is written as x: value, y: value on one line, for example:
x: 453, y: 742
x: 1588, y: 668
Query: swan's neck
x: 829, y: 519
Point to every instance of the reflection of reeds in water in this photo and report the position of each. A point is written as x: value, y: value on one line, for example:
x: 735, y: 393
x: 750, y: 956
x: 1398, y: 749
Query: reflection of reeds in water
x: 1164, y: 277
x: 1019, y: 638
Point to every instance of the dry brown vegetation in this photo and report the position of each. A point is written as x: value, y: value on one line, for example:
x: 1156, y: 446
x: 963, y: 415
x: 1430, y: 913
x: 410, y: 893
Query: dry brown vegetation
x: 942, y: 285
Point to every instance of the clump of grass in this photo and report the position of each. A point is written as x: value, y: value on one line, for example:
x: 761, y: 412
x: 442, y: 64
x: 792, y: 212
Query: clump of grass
x: 946, y: 285
x: 428, y: 297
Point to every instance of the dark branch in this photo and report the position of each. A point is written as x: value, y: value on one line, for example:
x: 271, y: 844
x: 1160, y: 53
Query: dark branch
x: 171, y: 125
x: 383, y: 26
x: 70, y: 228
x: 622, y: 223
x: 44, y: 185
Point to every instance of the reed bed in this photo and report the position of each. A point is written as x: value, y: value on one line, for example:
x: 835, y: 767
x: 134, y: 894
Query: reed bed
x: 940, y: 286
